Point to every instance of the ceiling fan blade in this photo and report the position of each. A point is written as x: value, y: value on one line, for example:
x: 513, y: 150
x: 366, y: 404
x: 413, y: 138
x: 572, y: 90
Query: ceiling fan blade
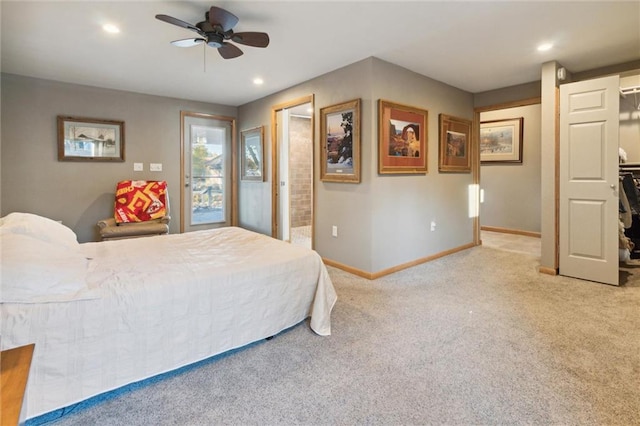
x: 188, y: 42
x: 218, y: 16
x: 251, y: 39
x: 229, y: 51
x: 178, y: 22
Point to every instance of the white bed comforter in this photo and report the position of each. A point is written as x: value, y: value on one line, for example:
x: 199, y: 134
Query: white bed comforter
x: 165, y: 302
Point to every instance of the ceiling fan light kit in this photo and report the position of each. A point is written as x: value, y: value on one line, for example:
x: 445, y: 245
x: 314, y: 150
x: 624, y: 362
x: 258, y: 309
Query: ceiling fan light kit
x: 216, y: 31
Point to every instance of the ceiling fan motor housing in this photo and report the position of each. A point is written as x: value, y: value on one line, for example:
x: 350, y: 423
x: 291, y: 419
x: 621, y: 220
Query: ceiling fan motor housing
x: 215, y: 40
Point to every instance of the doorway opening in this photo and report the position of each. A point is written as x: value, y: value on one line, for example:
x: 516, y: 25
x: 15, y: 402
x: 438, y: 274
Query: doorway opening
x: 293, y: 172
x: 505, y: 224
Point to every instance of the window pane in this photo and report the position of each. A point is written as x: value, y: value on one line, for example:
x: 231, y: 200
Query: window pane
x: 207, y: 175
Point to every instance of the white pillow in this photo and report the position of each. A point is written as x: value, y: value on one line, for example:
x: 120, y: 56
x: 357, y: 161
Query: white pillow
x: 36, y: 271
x: 39, y: 227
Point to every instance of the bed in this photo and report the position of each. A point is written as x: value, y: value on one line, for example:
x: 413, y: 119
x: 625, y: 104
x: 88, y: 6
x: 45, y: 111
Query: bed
x: 106, y: 314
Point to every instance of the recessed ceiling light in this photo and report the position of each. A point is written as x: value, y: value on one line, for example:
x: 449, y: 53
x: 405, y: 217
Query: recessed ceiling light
x: 258, y: 81
x: 110, y: 28
x: 544, y: 47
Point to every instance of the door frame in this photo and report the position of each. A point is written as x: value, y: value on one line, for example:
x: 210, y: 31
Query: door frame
x: 275, y: 198
x: 476, y: 166
x: 234, y: 163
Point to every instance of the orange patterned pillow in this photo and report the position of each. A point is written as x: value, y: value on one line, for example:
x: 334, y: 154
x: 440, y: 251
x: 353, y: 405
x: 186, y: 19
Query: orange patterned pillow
x: 140, y: 200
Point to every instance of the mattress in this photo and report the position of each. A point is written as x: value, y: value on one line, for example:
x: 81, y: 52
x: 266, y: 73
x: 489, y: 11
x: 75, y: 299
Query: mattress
x: 160, y: 303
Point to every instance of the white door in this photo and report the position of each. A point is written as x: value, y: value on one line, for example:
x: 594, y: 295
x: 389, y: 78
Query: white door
x: 206, y: 171
x: 589, y: 121
x: 284, y: 206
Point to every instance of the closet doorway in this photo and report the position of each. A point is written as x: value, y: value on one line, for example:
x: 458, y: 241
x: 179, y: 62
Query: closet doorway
x: 617, y: 131
x: 293, y: 171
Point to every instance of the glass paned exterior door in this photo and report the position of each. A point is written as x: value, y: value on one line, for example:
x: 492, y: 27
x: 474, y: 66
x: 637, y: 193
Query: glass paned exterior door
x: 207, y: 149
x: 208, y: 172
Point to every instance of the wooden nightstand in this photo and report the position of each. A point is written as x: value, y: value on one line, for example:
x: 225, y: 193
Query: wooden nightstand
x: 14, y: 371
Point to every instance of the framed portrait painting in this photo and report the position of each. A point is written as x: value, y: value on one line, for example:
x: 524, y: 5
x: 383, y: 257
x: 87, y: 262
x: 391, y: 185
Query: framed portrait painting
x: 455, y: 144
x: 90, y: 139
x: 501, y: 141
x: 252, y: 154
x: 402, y: 139
x: 340, y: 136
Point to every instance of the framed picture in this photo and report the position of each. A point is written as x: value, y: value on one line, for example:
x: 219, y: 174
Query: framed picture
x: 340, y: 136
x: 402, y: 139
x: 455, y: 144
x: 252, y: 154
x: 90, y: 139
x: 501, y: 141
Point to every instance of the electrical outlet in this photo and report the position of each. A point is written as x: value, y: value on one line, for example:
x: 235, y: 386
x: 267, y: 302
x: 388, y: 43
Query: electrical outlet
x: 155, y: 167
x: 138, y: 167
x: 433, y: 225
x: 334, y: 231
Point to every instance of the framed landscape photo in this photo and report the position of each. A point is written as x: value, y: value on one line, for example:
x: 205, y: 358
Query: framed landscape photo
x: 252, y: 154
x: 501, y: 141
x: 340, y: 136
x: 455, y: 144
x: 90, y: 139
x: 402, y: 139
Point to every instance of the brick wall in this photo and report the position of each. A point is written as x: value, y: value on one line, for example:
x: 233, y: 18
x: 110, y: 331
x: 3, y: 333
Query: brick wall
x: 300, y: 165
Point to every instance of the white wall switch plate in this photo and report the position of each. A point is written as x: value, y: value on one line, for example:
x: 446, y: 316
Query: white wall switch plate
x: 138, y: 167
x: 155, y: 167
x: 334, y: 231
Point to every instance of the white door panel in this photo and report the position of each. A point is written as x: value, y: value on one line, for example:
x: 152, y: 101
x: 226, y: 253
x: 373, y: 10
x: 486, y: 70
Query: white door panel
x: 585, y: 140
x: 586, y: 227
x: 284, y: 210
x: 589, y: 180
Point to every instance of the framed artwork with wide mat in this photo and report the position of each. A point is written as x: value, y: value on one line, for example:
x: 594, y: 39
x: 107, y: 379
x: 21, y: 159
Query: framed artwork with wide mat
x: 252, y: 154
x: 501, y: 141
x: 455, y: 144
x: 402, y: 139
x: 90, y: 139
x: 340, y: 136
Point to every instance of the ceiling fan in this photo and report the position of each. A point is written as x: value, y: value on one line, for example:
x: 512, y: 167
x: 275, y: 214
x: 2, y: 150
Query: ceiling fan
x: 215, y: 30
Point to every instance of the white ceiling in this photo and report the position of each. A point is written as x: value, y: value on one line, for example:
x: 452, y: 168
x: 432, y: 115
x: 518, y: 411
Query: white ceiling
x: 474, y: 45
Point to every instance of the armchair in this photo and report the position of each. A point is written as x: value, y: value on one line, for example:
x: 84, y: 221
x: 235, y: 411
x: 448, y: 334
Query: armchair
x: 141, y: 209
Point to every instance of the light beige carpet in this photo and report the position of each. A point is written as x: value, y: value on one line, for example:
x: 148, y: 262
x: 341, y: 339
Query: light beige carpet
x: 475, y: 338
x: 512, y: 242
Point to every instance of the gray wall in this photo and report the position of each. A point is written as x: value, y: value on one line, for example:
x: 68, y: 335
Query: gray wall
x: 404, y: 206
x: 341, y: 204
x: 81, y: 193
x: 384, y: 220
x: 507, y: 94
x: 512, y: 191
